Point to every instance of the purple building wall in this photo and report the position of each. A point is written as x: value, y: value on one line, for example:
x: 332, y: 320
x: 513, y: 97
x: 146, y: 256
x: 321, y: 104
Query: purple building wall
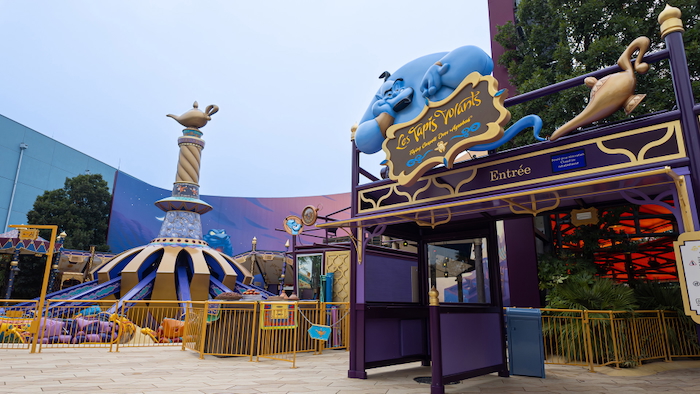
x: 500, y: 12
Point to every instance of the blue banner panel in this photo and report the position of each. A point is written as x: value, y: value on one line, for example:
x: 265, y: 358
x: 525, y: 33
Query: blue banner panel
x: 135, y: 220
x: 569, y: 161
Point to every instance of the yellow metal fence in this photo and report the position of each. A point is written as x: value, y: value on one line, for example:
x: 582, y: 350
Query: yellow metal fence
x: 16, y: 329
x: 272, y: 330
x: 616, y: 338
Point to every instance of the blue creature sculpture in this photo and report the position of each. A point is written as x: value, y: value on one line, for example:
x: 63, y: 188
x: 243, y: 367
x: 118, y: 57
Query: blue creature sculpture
x: 294, y: 226
x: 533, y: 121
x: 219, y: 240
x: 434, y: 77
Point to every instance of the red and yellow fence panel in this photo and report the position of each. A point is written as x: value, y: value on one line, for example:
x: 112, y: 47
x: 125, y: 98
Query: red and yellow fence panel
x: 278, y: 331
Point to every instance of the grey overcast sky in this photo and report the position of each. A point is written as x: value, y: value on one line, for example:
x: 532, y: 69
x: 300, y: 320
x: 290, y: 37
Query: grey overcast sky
x: 290, y: 78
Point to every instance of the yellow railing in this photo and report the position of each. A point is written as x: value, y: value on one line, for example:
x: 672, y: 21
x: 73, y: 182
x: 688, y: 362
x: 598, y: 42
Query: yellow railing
x: 615, y: 338
x: 274, y: 330
x: 337, y: 316
x: 152, y: 323
x: 16, y: 323
x: 228, y: 328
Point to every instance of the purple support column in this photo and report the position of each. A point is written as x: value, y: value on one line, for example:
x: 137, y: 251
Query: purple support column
x: 357, y: 316
x: 436, y: 384
x: 500, y: 12
x: 672, y: 32
x: 521, y: 255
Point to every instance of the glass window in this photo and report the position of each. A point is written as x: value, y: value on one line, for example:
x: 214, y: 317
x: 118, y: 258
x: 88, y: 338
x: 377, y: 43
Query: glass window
x: 458, y: 269
x: 309, y: 277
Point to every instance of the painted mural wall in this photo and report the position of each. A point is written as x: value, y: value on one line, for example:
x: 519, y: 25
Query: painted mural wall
x: 135, y: 220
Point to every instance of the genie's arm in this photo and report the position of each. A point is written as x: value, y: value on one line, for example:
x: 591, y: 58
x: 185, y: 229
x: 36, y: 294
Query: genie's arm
x: 451, y: 70
x: 370, y: 134
x: 432, y: 80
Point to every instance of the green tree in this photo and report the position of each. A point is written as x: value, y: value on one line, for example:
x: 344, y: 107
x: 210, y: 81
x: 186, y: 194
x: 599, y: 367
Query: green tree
x: 584, y: 291
x: 555, y: 40
x: 30, y: 277
x: 80, y: 208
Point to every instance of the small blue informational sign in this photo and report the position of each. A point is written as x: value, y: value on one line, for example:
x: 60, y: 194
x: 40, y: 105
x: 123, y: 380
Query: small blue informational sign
x: 320, y: 332
x: 569, y: 161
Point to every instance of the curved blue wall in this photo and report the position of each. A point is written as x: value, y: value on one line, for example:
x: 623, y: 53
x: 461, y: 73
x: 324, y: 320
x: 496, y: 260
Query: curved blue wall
x: 135, y: 220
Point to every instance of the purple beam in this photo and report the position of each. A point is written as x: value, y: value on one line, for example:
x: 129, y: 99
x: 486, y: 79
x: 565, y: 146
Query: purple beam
x: 576, y: 81
x: 522, y: 262
x: 686, y: 102
x: 368, y: 175
x: 357, y: 321
x: 500, y: 12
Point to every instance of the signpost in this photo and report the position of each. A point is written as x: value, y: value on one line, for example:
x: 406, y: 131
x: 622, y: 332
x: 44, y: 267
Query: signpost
x: 33, y: 230
x: 688, y: 263
x: 472, y: 115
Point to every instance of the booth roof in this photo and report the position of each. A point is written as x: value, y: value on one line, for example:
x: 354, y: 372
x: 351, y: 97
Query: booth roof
x: 10, y: 240
x: 525, y: 201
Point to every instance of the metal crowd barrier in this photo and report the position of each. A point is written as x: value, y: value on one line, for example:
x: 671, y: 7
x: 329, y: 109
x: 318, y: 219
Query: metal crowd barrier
x: 16, y: 323
x: 257, y: 329
x: 616, y: 338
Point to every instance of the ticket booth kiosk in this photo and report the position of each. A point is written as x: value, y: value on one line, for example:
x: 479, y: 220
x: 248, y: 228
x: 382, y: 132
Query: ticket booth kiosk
x: 443, y: 306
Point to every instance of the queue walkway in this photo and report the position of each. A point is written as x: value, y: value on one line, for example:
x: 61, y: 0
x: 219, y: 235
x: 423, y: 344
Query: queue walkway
x: 170, y: 370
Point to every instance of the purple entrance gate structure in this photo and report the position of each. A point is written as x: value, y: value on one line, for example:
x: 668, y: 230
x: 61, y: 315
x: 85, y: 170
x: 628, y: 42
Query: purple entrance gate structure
x: 450, y: 212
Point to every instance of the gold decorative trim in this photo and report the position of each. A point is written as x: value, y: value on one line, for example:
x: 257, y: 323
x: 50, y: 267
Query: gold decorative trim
x: 674, y: 126
x: 670, y: 21
x: 684, y: 203
x: 356, y: 243
x: 433, y: 297
x: 670, y: 131
x: 419, y: 191
x: 400, y: 193
x: 493, y: 132
x: 534, y: 210
x: 445, y: 186
x: 432, y: 223
x: 552, y: 189
x: 467, y: 180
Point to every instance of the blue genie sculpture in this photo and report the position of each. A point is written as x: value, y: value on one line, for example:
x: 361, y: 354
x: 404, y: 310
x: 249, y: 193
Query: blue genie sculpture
x: 404, y: 94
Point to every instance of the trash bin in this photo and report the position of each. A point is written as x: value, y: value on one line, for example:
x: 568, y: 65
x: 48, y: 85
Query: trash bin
x: 525, y: 348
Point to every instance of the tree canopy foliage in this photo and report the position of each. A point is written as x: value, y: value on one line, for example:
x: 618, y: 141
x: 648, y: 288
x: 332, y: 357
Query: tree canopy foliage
x: 80, y: 208
x: 556, y: 40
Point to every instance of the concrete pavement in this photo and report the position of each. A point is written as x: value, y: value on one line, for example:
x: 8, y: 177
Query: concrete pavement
x: 168, y: 370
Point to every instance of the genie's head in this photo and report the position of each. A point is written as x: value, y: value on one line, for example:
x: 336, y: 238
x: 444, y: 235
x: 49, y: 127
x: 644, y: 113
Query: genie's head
x: 393, y: 96
x: 294, y: 226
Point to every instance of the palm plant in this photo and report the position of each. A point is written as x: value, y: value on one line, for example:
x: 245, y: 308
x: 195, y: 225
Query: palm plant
x: 583, y: 291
